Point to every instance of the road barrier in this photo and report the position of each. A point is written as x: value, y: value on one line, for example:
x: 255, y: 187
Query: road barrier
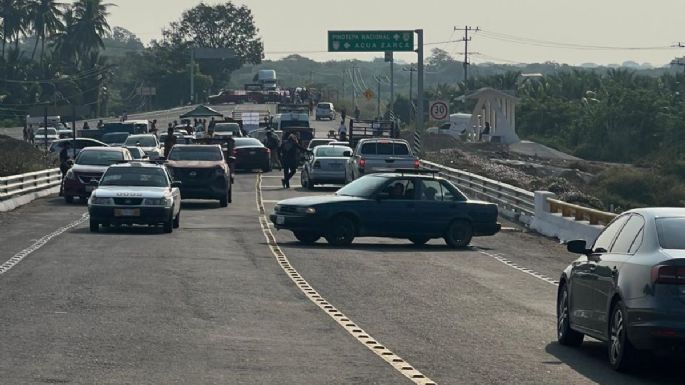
x: 17, y: 190
x: 539, y: 210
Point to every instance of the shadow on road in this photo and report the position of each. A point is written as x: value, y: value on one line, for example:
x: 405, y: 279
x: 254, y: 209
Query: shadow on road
x: 381, y: 248
x: 129, y: 230
x: 590, y: 360
x: 199, y: 205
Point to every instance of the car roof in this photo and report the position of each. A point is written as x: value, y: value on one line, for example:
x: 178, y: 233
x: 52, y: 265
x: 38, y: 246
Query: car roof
x: 116, y: 133
x: 108, y: 149
x: 659, y: 212
x: 136, y: 121
x: 384, y: 140
x: 408, y: 174
x: 197, y: 145
x: 141, y: 135
x: 137, y: 164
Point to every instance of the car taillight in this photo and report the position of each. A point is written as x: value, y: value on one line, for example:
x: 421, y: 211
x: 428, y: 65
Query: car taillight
x: 267, y: 150
x: 362, y: 163
x: 674, y: 275
x: 416, y: 163
x: 235, y: 152
x: 317, y: 164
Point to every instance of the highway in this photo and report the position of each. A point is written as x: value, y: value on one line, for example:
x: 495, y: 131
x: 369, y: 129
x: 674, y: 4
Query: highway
x: 227, y: 299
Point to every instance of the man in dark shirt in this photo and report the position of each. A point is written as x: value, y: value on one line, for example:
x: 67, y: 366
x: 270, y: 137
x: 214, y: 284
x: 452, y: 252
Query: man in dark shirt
x: 169, y: 142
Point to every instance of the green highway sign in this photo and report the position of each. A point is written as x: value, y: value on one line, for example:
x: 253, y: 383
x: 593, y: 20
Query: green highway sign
x: 370, y: 41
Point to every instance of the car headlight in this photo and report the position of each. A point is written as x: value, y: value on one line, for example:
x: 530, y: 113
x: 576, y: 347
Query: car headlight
x: 277, y: 208
x: 166, y: 202
x: 101, y: 201
x: 306, y: 210
x: 70, y: 175
x: 219, y: 171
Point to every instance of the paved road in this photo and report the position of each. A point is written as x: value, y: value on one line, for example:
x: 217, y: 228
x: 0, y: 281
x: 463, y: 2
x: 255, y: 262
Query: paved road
x: 212, y: 304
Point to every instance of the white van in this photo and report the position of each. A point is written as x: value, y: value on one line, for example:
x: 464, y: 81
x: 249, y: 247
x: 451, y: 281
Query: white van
x: 458, y: 125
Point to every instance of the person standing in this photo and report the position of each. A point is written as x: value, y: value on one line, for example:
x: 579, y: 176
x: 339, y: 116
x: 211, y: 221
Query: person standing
x: 153, y: 127
x: 273, y: 144
x: 100, y: 124
x: 169, y: 142
x: 290, y: 156
x: 32, y: 134
x: 64, y: 164
x: 342, y: 132
x: 357, y: 113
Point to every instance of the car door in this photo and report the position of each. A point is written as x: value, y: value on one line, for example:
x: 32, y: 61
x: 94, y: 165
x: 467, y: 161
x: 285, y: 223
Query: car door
x: 608, y: 268
x: 584, y: 288
x: 435, y: 207
x: 393, y: 214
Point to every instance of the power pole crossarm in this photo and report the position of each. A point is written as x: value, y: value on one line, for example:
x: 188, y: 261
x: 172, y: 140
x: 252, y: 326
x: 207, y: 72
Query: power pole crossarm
x: 466, y: 39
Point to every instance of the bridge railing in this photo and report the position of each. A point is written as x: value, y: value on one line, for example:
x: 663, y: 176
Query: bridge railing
x: 23, y: 184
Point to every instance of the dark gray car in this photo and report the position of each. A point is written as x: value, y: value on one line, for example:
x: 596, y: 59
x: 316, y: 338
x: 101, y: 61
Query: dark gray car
x: 628, y: 289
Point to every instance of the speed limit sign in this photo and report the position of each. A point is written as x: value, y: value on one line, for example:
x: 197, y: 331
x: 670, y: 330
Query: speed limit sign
x: 439, y: 110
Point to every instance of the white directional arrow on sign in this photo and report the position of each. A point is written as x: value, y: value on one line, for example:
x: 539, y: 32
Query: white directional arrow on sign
x: 347, y: 45
x: 396, y: 37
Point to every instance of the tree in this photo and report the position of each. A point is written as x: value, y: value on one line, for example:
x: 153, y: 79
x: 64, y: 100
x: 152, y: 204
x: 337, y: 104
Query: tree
x: 45, y: 19
x: 15, y: 18
x: 90, y: 25
x: 220, y: 26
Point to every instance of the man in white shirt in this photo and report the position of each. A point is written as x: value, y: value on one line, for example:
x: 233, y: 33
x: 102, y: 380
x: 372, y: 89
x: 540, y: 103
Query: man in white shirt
x: 342, y: 131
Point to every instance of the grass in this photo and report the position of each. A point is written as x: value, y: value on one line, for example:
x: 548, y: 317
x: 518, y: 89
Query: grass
x: 19, y: 157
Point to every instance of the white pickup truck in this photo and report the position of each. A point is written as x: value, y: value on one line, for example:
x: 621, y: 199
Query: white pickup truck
x: 379, y: 155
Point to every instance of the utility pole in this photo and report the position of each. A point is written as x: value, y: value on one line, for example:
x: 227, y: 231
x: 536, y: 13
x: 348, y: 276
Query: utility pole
x: 466, y: 39
x: 343, y: 85
x: 392, y: 84
x: 378, y: 99
x: 411, y: 71
x: 419, y: 82
x: 192, y: 74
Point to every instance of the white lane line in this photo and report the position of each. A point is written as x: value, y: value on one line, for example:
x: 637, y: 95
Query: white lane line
x: 501, y: 258
x: 351, y: 327
x: 18, y: 257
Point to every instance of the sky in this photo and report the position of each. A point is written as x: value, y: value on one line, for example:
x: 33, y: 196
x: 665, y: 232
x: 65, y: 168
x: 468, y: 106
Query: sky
x: 511, y: 31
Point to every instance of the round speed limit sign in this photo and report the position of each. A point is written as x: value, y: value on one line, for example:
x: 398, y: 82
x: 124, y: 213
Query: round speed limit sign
x: 439, y: 110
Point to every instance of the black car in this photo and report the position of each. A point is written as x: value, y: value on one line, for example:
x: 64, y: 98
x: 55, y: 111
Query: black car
x: 628, y: 289
x: 408, y: 205
x: 251, y: 154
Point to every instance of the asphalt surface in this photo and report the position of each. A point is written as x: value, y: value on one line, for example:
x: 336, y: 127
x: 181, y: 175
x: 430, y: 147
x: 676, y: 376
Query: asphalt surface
x: 210, y: 304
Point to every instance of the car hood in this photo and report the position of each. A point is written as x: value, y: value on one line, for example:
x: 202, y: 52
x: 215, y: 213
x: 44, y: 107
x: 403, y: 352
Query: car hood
x: 194, y: 163
x: 318, y: 200
x: 130, y: 192
x: 85, y: 168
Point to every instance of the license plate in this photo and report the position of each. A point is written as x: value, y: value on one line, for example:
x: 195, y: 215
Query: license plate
x: 335, y: 165
x: 126, y: 212
x: 192, y: 173
x: 89, y: 189
x: 280, y: 219
x: 252, y: 152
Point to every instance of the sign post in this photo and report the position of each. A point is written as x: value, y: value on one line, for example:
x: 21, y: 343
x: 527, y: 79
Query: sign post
x: 439, y: 110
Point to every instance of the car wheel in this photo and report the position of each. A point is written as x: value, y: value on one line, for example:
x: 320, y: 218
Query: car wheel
x: 342, y: 232
x: 565, y: 335
x: 69, y: 199
x: 303, y: 180
x: 306, y: 237
x: 459, y: 234
x: 169, y: 226
x: 419, y: 240
x: 177, y: 220
x: 94, y: 226
x: 622, y: 354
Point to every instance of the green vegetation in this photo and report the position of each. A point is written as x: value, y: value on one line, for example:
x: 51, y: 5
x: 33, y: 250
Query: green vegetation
x: 19, y: 157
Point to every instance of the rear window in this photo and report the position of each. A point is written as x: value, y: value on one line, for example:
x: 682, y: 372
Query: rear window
x: 247, y: 142
x: 331, y: 152
x: 324, y: 106
x: 384, y: 148
x: 227, y: 127
x: 99, y: 158
x: 141, y: 141
x: 670, y: 232
x: 196, y: 153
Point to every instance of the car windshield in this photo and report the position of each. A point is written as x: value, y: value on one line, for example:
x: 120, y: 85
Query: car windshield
x: 330, y: 152
x: 385, y: 148
x: 247, y: 142
x: 363, y: 187
x: 115, y: 138
x: 196, y: 153
x: 135, y: 177
x: 227, y: 127
x: 136, y: 152
x: 142, y: 141
x: 99, y: 158
x: 670, y: 232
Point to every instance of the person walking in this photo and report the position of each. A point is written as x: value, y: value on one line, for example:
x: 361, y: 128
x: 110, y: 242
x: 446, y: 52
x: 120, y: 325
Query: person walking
x: 342, y: 132
x: 290, y: 156
x: 153, y: 127
x: 357, y: 113
x: 169, y: 142
x: 100, y: 124
x: 64, y: 165
x: 273, y: 144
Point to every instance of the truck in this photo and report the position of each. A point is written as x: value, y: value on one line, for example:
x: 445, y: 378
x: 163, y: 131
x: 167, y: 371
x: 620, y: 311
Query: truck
x: 458, y: 125
x: 372, y: 155
x: 267, y: 78
x: 366, y: 129
x: 132, y: 127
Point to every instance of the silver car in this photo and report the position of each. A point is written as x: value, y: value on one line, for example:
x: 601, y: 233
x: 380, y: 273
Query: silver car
x: 325, y: 111
x: 325, y: 166
x: 628, y: 289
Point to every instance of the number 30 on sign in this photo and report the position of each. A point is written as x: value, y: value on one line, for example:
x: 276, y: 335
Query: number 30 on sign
x: 439, y: 110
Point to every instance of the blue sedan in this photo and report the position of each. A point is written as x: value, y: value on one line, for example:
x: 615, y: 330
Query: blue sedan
x: 410, y: 205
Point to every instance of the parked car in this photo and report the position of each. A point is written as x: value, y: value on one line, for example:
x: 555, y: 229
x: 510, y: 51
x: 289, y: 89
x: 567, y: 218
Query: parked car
x: 251, y: 154
x: 135, y: 193
x: 407, y: 205
x: 379, y: 155
x: 325, y: 166
x: 89, y: 165
x: 628, y: 289
x: 77, y: 145
x: 203, y: 172
x: 148, y: 142
x: 115, y: 138
x: 325, y: 111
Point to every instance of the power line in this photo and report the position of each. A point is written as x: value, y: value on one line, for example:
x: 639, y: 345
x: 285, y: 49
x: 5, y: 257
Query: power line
x: 466, y: 39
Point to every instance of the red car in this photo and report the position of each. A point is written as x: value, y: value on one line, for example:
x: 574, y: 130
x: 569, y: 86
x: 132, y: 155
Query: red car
x: 90, y: 164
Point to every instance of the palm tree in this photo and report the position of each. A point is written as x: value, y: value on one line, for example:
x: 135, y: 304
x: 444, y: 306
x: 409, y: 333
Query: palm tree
x: 63, y: 43
x: 14, y: 21
x: 90, y: 24
x: 45, y: 19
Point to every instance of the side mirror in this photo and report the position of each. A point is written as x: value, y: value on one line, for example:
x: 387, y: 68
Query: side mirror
x: 176, y: 184
x: 347, y: 154
x: 94, y: 183
x: 230, y: 159
x: 577, y: 247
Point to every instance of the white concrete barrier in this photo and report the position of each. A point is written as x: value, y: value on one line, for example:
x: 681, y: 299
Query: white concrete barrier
x: 559, y: 226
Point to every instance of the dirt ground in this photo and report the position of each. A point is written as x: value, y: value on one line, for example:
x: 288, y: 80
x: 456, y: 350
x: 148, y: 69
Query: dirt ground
x: 18, y: 157
x: 570, y: 179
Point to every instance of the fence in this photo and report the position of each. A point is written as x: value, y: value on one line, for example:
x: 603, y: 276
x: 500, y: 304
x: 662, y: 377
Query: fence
x: 25, y: 184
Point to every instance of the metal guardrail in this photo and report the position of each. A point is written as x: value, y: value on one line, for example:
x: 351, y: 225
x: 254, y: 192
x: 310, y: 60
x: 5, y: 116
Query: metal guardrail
x: 580, y: 213
x: 506, y: 196
x: 17, y: 185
